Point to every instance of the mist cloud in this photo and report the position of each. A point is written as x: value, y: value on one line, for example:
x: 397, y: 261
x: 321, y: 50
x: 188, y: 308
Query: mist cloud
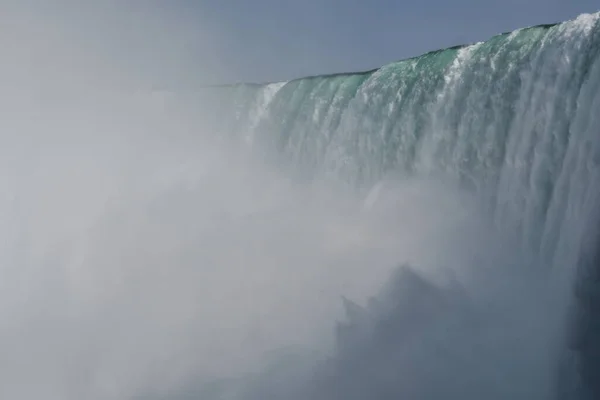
x: 143, y: 257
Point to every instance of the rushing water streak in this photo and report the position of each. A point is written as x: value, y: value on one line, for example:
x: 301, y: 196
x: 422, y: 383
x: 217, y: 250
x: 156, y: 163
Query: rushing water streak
x: 514, y: 120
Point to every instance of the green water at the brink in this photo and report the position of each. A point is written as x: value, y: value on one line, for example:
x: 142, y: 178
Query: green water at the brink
x: 515, y: 119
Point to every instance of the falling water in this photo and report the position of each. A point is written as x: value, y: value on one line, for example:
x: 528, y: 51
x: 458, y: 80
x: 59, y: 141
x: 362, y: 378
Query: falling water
x: 207, y: 245
x: 513, y: 121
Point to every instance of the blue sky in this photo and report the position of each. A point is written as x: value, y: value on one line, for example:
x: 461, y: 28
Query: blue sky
x: 175, y: 42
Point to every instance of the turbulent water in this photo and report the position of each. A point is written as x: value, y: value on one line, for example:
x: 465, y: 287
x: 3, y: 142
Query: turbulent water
x: 515, y: 120
x: 427, y: 230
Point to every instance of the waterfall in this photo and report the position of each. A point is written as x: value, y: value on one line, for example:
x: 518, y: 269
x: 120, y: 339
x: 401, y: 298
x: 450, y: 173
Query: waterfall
x: 514, y: 120
x: 425, y: 230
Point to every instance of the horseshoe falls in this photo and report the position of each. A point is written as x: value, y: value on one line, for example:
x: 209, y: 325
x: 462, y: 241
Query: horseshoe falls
x: 426, y: 230
x: 512, y: 122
